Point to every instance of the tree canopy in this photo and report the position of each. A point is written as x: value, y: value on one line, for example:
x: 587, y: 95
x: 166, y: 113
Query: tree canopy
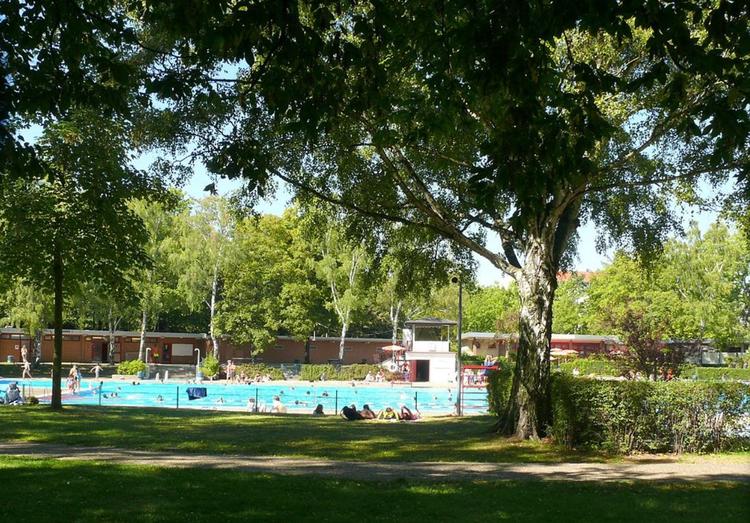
x: 473, y: 120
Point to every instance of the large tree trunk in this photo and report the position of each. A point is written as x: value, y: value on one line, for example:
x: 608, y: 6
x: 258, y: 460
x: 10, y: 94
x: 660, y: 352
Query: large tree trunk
x: 529, y: 412
x: 142, y: 344
x: 57, y: 273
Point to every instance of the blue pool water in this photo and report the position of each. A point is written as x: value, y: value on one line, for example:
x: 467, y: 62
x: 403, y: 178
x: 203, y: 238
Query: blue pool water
x: 297, y: 397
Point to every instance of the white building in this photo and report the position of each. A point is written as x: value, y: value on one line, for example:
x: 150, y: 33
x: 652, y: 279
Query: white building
x: 428, y: 353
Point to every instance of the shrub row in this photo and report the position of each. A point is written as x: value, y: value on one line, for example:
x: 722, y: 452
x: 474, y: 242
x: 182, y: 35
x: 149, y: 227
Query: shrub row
x: 131, y: 367
x: 590, y: 365
x: 344, y: 372
x: 259, y: 369
x: 716, y: 373
x: 646, y: 416
x: 626, y: 416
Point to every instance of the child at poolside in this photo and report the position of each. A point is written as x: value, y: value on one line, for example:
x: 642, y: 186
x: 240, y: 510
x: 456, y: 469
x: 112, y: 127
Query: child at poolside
x: 95, y: 370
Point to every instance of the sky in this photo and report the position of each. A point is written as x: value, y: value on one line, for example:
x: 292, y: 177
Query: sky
x: 588, y: 258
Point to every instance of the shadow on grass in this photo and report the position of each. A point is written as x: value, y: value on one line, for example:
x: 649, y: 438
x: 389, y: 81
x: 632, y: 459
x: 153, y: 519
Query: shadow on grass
x: 441, y: 439
x: 47, y: 490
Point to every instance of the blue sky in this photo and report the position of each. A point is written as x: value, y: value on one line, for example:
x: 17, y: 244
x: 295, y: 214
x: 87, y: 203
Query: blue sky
x: 588, y: 257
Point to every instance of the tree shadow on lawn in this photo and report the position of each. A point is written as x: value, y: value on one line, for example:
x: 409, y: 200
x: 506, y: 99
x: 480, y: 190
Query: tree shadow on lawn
x: 441, y: 439
x: 48, y: 490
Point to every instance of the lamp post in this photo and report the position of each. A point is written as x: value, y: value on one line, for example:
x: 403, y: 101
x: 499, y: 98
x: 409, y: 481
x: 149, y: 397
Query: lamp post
x: 148, y: 349
x: 456, y: 279
x: 197, y: 365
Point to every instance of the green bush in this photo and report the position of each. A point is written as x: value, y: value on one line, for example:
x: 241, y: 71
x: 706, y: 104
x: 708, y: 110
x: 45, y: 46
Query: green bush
x: 259, y: 369
x: 310, y: 372
x: 131, y: 367
x: 599, y: 366
x: 626, y: 416
x: 715, y: 373
x: 210, y: 366
x: 498, y: 386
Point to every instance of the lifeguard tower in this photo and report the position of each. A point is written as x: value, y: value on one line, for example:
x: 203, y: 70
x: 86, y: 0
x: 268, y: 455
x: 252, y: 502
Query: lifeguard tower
x: 428, y: 354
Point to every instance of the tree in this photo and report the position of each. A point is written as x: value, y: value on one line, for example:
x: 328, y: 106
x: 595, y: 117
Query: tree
x: 570, y: 311
x: 206, y: 237
x: 484, y: 307
x: 156, y: 282
x: 29, y: 309
x: 695, y: 290
x: 468, y: 118
x: 270, y: 285
x: 645, y: 350
x: 342, y: 266
x: 80, y: 202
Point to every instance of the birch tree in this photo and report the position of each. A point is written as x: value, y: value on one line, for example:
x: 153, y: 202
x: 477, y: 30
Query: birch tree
x: 500, y: 126
x: 206, y: 236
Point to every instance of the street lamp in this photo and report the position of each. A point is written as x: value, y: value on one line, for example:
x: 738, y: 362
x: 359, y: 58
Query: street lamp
x: 456, y: 279
x: 148, y: 349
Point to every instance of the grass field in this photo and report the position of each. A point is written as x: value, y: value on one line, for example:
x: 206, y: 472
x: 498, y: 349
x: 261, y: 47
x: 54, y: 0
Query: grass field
x: 47, y: 490
x: 437, y: 439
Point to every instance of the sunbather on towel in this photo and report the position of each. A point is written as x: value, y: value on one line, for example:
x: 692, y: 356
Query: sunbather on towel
x: 350, y: 413
x: 388, y: 414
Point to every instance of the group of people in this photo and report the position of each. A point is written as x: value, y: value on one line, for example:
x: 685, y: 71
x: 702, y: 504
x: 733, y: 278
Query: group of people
x: 351, y: 413
x: 377, y: 378
x: 73, y: 382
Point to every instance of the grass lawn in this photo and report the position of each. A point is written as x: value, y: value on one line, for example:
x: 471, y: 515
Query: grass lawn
x: 48, y: 490
x: 437, y: 439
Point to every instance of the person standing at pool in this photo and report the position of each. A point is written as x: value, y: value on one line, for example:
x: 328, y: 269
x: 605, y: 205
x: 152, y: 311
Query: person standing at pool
x: 95, y: 370
x: 26, y: 370
x: 24, y: 353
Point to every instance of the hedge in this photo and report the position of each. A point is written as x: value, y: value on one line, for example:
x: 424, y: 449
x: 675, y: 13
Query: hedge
x: 644, y: 416
x: 312, y: 372
x: 258, y: 369
x: 716, y: 373
x: 590, y: 365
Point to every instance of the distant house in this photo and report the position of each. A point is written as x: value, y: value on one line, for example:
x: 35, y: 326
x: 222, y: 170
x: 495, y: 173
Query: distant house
x: 499, y: 344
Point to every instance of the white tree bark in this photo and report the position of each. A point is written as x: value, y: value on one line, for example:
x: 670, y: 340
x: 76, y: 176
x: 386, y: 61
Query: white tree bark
x: 142, y: 344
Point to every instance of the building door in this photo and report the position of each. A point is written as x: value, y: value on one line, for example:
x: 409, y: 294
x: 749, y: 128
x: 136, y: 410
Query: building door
x: 166, y: 354
x: 423, y: 370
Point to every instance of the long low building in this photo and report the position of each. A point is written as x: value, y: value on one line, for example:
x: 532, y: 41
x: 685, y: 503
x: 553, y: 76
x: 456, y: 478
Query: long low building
x: 497, y: 344
x: 183, y: 347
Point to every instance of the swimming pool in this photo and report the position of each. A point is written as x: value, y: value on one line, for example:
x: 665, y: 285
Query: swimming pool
x: 298, y: 397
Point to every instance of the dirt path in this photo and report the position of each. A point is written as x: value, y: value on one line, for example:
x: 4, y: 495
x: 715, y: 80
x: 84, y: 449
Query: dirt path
x: 644, y: 469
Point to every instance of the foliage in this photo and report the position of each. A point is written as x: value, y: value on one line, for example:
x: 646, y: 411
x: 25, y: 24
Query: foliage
x: 343, y: 372
x: 499, y: 384
x: 270, y: 284
x: 470, y: 119
x: 627, y: 416
x: 485, y: 306
x: 205, y: 236
x: 644, y: 350
x: 570, y: 311
x: 210, y: 366
x: 598, y: 366
x: 695, y: 290
x: 250, y: 370
x: 715, y: 373
x: 131, y: 367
